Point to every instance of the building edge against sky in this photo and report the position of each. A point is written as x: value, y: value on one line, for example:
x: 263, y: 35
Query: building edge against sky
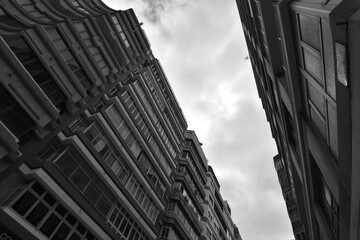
x: 93, y: 143
x: 305, y: 56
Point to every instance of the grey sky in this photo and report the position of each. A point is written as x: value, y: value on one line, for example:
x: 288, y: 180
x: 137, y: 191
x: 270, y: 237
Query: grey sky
x: 202, y: 49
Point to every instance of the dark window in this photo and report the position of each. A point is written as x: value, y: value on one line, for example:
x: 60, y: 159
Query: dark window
x: 14, y: 117
x: 317, y: 72
x: 36, y: 69
x: 325, y: 199
x: 85, y: 179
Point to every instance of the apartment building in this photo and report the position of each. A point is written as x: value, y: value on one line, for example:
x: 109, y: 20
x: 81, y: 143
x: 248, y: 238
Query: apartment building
x: 304, y: 56
x: 93, y: 143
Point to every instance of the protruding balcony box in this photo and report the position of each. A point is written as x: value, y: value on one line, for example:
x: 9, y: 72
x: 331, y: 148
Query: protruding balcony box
x: 8, y: 141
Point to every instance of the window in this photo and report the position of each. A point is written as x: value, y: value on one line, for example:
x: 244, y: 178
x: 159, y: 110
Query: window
x: 293, y: 214
x: 317, y: 77
x: 68, y: 57
x: 153, y: 177
x: 120, y: 31
x: 325, y: 199
x: 85, y: 180
x: 301, y: 236
x: 123, y: 224
x: 107, y: 151
x: 47, y: 215
x: 85, y: 35
x: 14, y: 117
x: 138, y: 192
x: 120, y: 124
x: 36, y: 69
x: 278, y: 165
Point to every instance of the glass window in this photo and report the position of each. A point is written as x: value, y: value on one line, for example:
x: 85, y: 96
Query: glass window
x: 86, y: 180
x: 13, y: 116
x: 313, y: 66
x: 36, y: 69
x: 310, y: 30
x: 46, y: 214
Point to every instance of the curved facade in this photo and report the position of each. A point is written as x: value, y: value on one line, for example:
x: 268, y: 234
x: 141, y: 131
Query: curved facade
x: 93, y: 143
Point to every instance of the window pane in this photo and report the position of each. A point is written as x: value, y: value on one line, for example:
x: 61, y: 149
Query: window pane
x: 103, y: 205
x: 92, y: 193
x: 317, y: 99
x: 318, y: 122
x: 80, y: 179
x: 99, y: 144
x: 74, y: 236
x: 116, y: 167
x: 313, y: 66
x: 110, y: 159
x: 24, y: 203
x: 50, y: 225
x: 62, y: 232
x: 66, y: 164
x: 310, y: 30
x: 37, y: 214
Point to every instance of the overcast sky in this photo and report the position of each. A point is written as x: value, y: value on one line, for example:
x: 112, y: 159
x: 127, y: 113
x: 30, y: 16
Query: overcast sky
x: 201, y: 46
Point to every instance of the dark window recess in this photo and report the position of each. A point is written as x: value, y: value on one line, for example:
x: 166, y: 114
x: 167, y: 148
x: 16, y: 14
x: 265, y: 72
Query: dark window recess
x: 97, y: 106
x: 85, y: 180
x: 51, y: 150
x: 325, y: 199
x: 37, y: 70
x: 69, y: 58
x: 14, y: 117
x: 289, y: 127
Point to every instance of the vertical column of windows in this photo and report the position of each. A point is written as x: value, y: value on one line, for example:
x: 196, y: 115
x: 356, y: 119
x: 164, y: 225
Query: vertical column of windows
x: 47, y: 215
x: 124, y: 225
x: 143, y: 161
x: 85, y: 180
x: 69, y: 57
x: 151, y: 172
x: 36, y: 69
x: 173, y: 207
x: 129, y: 103
x: 121, y: 126
x: 159, y: 155
x: 97, y: 56
x: 136, y: 189
x: 158, y: 124
x: 31, y: 8
x: 108, y: 153
x: 120, y: 30
x: 317, y: 78
x: 191, y: 161
x: 99, y: 141
x: 325, y: 199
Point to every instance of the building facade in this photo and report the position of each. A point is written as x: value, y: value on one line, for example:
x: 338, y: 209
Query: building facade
x: 93, y: 143
x: 304, y: 56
